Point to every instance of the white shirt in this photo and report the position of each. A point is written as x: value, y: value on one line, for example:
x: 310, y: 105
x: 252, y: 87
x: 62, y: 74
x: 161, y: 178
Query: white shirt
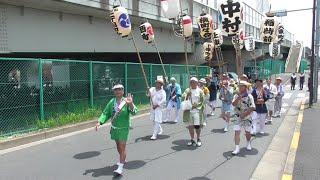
x: 272, y: 89
x: 195, y: 95
x: 158, y: 97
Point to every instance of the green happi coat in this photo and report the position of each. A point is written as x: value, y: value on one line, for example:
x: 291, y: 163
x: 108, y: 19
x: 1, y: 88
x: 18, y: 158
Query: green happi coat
x: 200, y: 106
x: 121, y: 124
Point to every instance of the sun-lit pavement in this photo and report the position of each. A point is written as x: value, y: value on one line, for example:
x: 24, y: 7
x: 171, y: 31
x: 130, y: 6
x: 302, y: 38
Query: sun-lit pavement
x: 92, y: 155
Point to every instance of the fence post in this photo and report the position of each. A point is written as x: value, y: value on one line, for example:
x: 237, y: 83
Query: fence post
x: 126, y: 77
x: 91, y: 83
x: 151, y: 75
x: 41, y: 89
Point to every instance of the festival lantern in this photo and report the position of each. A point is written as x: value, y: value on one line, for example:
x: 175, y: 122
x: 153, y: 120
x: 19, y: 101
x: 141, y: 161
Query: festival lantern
x: 147, y: 33
x: 121, y: 21
x: 280, y: 34
x: 268, y: 30
x: 232, y: 16
x: 205, y: 23
x: 207, y: 50
x: 217, y: 37
x: 249, y: 44
x: 187, y: 26
x: 274, y: 49
x: 170, y: 8
x: 238, y: 39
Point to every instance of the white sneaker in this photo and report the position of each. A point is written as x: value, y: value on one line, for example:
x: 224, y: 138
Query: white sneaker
x: 212, y: 114
x: 262, y: 133
x: 160, y: 131
x: 237, y: 150
x: 191, y: 143
x: 199, y: 143
x: 119, y: 171
x: 225, y: 129
x: 249, y: 148
x: 175, y: 121
x: 204, y: 124
x: 153, y: 137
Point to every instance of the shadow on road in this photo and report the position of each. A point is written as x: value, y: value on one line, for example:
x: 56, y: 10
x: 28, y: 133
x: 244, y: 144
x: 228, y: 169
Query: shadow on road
x: 200, y: 178
x: 147, y: 138
x: 243, y: 153
x: 220, y: 131
x: 180, y: 145
x: 108, y: 170
x: 87, y: 155
x: 262, y: 135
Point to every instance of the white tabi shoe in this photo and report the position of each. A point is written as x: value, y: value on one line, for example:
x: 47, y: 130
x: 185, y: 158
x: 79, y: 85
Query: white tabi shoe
x: 249, y: 148
x: 236, y: 151
x: 153, y: 137
x: 119, y: 171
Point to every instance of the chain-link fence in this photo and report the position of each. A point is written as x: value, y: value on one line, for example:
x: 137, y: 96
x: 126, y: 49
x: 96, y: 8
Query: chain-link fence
x: 266, y: 68
x: 33, y: 91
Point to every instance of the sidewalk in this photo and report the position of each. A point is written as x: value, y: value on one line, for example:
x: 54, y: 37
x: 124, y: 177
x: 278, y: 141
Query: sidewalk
x: 307, y: 160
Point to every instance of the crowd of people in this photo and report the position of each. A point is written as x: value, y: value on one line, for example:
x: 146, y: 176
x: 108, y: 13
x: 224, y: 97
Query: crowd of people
x: 246, y: 105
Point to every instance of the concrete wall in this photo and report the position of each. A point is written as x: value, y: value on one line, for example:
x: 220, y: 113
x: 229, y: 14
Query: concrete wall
x: 33, y: 30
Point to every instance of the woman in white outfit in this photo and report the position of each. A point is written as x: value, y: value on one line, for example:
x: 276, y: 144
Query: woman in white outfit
x: 158, y: 101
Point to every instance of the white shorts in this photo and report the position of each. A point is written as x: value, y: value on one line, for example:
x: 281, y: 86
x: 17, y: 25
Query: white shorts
x: 270, y: 105
x: 194, y: 118
x: 238, y: 126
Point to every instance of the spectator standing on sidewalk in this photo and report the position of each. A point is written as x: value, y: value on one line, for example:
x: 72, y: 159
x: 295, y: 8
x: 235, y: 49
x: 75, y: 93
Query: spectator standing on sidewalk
x: 302, y: 80
x: 278, y: 98
x: 293, y: 80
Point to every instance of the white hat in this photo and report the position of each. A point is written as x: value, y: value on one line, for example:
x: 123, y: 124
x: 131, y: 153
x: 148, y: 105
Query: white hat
x: 244, y: 83
x: 117, y: 86
x: 202, y: 80
x: 279, y: 78
x: 160, y: 81
x: 194, y: 79
x: 173, y: 79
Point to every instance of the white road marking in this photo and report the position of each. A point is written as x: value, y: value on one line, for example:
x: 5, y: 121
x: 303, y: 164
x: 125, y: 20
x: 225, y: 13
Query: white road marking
x: 301, y: 95
x: 285, y: 105
x: 287, y: 95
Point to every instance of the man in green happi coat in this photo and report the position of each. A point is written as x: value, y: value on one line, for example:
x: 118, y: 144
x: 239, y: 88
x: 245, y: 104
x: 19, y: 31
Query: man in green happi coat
x: 118, y: 112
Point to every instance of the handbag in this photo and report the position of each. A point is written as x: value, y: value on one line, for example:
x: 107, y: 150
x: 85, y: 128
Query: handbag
x: 186, y: 105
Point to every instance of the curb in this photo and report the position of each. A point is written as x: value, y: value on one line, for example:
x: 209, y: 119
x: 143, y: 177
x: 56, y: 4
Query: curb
x: 289, y: 166
x: 50, y: 133
x: 273, y: 161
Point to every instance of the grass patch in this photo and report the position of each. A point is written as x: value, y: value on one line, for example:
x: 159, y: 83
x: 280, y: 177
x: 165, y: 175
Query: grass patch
x: 72, y: 118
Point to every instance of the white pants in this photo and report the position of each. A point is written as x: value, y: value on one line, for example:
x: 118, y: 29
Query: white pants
x: 258, y: 122
x: 172, y: 111
x: 270, y: 104
x: 156, y: 117
x: 278, y: 106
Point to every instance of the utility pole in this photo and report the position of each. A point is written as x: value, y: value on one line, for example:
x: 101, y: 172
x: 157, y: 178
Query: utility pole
x: 312, y: 67
x: 317, y: 43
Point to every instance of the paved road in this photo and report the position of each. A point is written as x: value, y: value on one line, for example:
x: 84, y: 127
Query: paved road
x: 92, y: 155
